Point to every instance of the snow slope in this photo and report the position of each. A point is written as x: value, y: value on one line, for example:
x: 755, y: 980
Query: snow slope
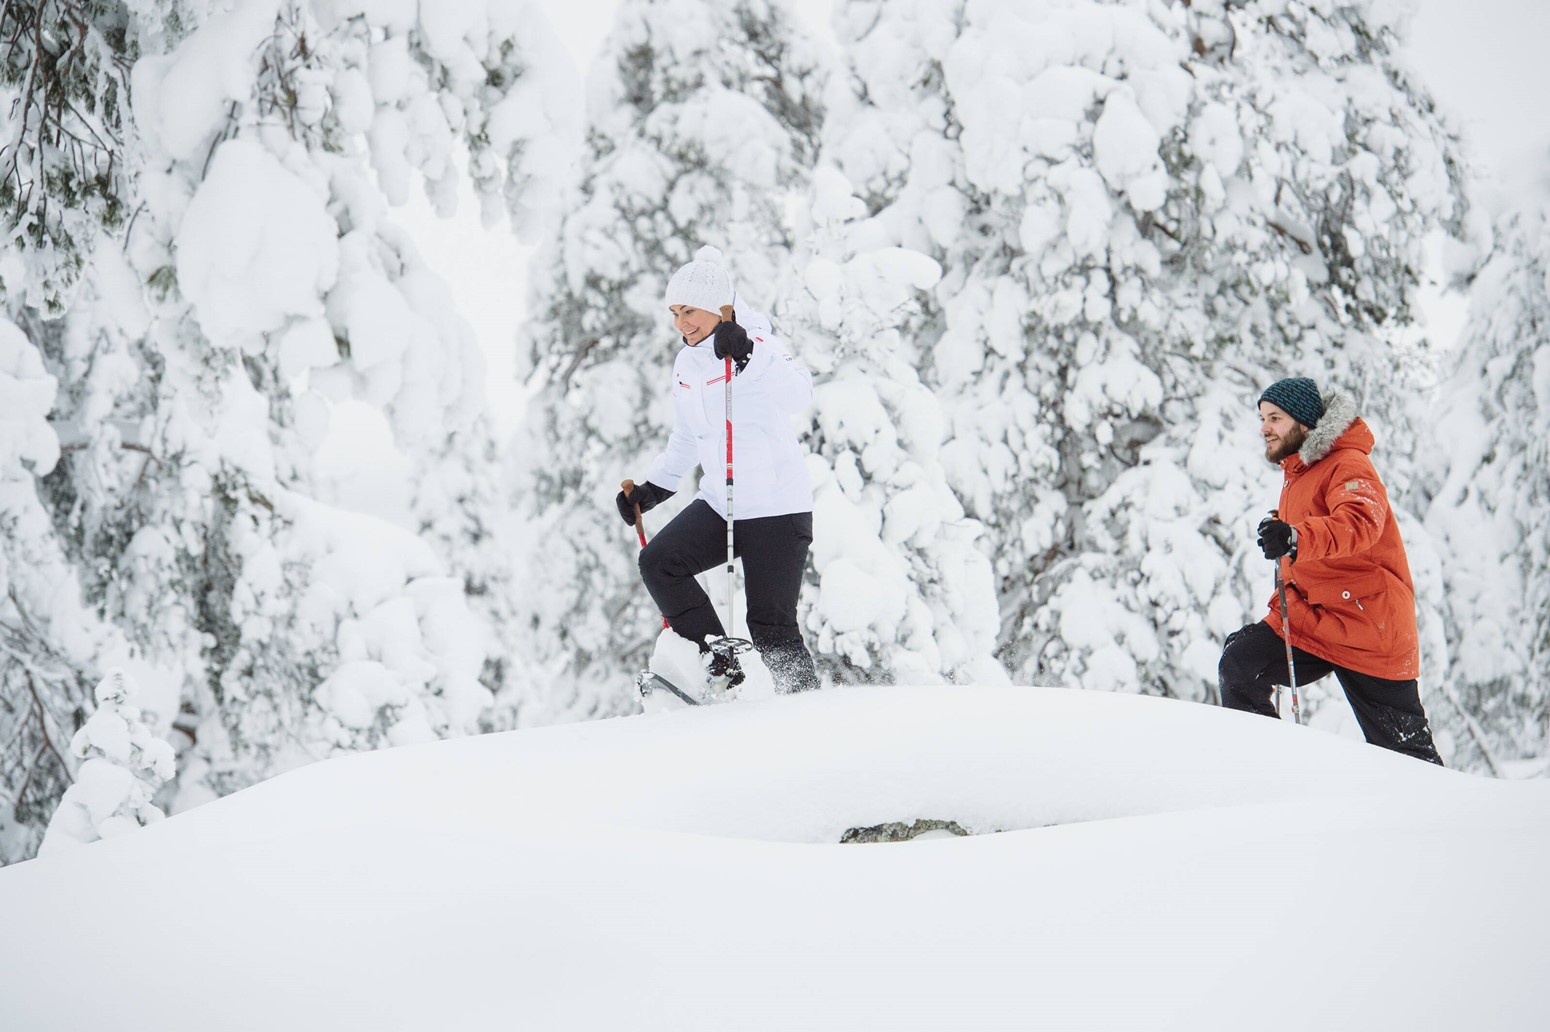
x: 1160, y: 865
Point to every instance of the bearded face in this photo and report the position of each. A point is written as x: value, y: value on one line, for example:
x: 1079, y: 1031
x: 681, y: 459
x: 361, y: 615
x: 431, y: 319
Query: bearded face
x: 1282, y: 434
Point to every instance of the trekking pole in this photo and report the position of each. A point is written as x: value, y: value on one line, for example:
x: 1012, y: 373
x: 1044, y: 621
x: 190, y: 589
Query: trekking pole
x: 1286, y: 635
x: 628, y: 487
x: 729, y: 315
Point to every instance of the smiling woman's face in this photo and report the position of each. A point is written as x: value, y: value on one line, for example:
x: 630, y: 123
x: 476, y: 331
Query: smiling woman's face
x: 694, y: 323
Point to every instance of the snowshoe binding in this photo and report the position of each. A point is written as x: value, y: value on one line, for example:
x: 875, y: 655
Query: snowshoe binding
x: 723, y: 672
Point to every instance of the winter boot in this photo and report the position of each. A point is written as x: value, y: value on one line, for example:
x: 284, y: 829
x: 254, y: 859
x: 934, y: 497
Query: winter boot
x: 722, y: 670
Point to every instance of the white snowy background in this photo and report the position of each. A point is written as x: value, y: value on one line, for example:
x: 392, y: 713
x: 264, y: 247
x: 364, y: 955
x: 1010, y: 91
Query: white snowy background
x: 332, y: 566
x: 1481, y: 61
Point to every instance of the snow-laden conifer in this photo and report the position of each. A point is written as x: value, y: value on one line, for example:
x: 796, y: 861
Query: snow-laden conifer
x: 701, y: 125
x: 39, y: 684
x: 344, y: 106
x: 906, y: 587
x: 1490, y: 505
x: 260, y: 278
x: 50, y: 635
x: 463, y: 512
x: 122, y: 764
x: 1143, y: 214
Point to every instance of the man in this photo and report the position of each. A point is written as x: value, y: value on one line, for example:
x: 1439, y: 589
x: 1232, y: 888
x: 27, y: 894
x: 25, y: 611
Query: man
x: 1351, y: 604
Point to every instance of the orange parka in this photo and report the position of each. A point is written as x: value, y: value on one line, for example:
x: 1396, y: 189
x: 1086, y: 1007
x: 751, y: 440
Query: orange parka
x: 1349, y: 594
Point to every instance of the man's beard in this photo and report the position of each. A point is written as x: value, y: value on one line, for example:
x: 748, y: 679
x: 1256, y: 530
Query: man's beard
x: 1289, y: 443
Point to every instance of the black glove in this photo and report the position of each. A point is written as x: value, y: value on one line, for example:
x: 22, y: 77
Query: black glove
x: 1277, y: 538
x: 732, y: 341
x: 645, y: 495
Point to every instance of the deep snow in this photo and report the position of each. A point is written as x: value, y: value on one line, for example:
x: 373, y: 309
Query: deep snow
x: 1159, y: 864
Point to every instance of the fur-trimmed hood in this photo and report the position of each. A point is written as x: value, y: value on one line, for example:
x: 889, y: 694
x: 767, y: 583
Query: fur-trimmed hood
x: 1339, y: 415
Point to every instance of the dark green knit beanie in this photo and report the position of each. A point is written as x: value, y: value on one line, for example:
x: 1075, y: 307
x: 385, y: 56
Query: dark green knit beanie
x: 1298, y: 397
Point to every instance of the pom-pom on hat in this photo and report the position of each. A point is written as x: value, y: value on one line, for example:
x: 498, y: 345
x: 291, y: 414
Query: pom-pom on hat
x: 1298, y: 397
x: 702, y: 284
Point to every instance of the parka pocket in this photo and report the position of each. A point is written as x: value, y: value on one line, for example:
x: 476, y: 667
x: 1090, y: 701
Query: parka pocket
x: 1351, y: 610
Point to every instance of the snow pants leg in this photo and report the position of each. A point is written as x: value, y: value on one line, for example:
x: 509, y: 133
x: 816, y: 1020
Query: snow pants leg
x: 774, y: 559
x: 774, y: 553
x: 1389, y: 712
x: 1254, y: 662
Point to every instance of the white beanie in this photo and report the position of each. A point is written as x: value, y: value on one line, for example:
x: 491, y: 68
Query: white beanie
x: 702, y: 284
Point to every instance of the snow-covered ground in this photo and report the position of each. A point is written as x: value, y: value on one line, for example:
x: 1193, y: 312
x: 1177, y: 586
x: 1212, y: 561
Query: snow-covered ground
x: 1155, y: 865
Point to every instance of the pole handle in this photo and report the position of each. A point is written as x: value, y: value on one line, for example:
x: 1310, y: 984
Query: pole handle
x: 628, y: 486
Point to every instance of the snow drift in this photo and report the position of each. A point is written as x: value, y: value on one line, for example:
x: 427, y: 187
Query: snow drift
x: 1136, y: 862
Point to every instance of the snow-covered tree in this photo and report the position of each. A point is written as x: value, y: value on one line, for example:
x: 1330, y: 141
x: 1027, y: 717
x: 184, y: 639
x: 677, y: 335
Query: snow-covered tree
x: 1490, y: 510
x: 40, y: 660
x: 343, y: 104
x: 63, y: 95
x: 258, y: 277
x: 464, y: 515
x: 123, y: 765
x: 1143, y: 214
x: 905, y: 589
x: 701, y: 126
x: 50, y: 636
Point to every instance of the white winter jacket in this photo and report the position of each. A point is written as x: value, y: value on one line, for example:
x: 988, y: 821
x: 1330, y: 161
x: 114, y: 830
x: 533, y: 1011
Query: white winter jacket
x: 769, y: 467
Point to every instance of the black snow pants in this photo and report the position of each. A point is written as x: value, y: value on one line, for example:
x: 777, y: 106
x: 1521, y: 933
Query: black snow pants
x: 774, y: 554
x: 1389, y: 712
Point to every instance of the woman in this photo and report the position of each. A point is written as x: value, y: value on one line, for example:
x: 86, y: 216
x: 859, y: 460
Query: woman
x: 773, y: 501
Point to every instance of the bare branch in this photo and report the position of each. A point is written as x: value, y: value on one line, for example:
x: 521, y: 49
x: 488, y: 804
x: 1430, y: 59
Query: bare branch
x: 48, y: 740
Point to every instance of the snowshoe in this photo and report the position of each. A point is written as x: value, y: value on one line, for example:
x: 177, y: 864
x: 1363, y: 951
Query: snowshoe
x: 658, y: 693
x: 722, y: 670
